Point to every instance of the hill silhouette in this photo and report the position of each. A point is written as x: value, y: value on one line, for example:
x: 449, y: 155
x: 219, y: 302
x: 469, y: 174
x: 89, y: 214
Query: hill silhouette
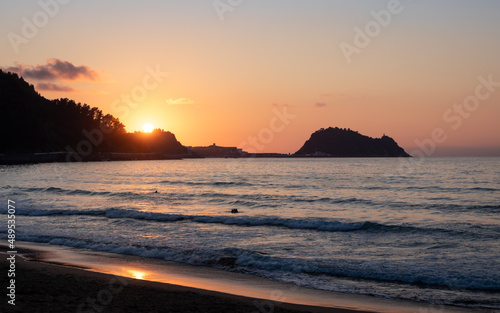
x: 30, y: 123
x: 337, y: 142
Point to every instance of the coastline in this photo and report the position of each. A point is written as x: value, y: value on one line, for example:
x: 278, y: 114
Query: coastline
x: 45, y: 287
x: 63, y: 279
x: 49, y: 287
x: 62, y: 157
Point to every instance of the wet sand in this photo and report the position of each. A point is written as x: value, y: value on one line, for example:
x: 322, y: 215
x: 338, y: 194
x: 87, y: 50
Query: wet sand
x: 44, y: 287
x: 61, y: 279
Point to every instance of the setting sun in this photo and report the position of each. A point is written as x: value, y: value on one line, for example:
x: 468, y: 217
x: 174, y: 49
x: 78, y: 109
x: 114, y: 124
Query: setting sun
x: 147, y: 128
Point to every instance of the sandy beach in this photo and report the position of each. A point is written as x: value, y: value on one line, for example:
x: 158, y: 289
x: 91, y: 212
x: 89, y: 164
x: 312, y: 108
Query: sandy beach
x: 44, y: 287
x: 51, y: 278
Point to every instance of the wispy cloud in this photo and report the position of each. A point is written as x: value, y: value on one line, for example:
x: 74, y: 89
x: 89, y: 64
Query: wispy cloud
x: 53, y: 87
x: 55, y: 69
x: 180, y: 101
x: 320, y: 104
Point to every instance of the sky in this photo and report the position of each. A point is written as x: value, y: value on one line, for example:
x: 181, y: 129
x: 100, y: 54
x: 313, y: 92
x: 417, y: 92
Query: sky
x: 263, y: 75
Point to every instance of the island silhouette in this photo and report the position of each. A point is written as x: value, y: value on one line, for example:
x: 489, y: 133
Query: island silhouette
x: 342, y: 142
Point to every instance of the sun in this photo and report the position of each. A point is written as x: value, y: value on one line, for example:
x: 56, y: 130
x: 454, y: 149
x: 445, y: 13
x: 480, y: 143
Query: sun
x: 147, y: 128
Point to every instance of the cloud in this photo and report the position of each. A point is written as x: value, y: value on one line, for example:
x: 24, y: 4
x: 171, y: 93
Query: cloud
x: 180, y: 101
x: 319, y: 104
x: 53, y: 87
x: 55, y: 69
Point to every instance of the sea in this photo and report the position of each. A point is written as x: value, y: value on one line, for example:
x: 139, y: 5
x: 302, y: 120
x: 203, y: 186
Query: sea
x: 419, y: 229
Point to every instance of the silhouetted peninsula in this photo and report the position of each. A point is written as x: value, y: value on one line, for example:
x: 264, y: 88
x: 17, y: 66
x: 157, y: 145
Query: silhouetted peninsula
x: 35, y: 129
x: 337, y: 142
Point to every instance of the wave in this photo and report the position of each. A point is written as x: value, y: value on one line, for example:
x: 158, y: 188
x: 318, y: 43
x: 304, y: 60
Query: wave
x: 249, y: 200
x: 255, y: 262
x: 427, y: 189
x: 254, y: 221
x: 226, y: 220
x: 332, y: 200
x: 262, y: 200
x: 51, y: 212
x: 66, y: 191
x: 146, y: 195
x: 449, y: 207
x: 205, y: 183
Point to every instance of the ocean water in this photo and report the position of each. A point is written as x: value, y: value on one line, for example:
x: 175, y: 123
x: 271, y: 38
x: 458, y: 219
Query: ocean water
x: 426, y: 231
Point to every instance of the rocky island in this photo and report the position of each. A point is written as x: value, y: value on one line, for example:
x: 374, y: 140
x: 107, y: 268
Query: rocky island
x: 338, y: 142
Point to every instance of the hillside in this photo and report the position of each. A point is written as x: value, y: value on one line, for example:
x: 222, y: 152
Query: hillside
x: 337, y: 142
x: 30, y: 123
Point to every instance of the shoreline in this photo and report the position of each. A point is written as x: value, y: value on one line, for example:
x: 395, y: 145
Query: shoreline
x: 50, y: 287
x: 48, y: 266
x: 57, y: 157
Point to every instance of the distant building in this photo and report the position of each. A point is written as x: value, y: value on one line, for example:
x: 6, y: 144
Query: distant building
x: 215, y: 151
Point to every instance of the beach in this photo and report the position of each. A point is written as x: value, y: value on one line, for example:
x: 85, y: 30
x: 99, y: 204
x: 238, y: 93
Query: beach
x: 60, y: 279
x: 45, y: 287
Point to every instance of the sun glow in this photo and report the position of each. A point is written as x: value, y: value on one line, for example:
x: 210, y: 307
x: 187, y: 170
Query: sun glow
x: 137, y: 274
x: 147, y: 128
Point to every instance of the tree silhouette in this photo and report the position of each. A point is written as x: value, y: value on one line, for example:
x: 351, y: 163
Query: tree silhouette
x: 32, y: 123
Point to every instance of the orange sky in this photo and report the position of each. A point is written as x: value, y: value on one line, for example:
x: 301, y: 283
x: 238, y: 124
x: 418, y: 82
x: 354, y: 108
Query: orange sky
x: 230, y: 69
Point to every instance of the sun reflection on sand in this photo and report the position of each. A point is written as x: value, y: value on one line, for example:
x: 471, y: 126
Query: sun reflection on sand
x: 136, y: 274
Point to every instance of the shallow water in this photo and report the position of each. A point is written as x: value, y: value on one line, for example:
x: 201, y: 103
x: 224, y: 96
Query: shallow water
x: 429, y: 232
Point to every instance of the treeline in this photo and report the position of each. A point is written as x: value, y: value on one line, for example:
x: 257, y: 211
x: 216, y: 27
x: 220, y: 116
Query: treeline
x: 30, y: 123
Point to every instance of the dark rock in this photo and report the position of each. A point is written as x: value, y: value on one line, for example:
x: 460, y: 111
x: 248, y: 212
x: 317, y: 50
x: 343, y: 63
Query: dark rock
x: 337, y: 142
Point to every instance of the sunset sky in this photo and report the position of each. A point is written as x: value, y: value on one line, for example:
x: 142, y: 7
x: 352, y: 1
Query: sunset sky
x: 275, y: 71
